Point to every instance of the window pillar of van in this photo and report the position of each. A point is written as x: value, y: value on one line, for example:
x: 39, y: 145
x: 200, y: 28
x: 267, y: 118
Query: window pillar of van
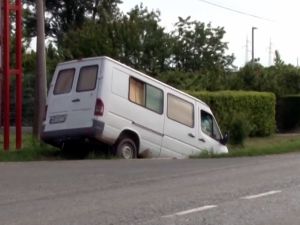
x: 209, y: 127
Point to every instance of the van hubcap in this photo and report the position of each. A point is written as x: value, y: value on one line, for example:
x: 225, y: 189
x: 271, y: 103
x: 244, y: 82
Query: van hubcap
x: 127, y: 152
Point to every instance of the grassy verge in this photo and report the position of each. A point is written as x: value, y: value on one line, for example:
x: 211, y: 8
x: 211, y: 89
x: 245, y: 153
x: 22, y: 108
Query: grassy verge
x: 33, y: 151
x: 274, y: 144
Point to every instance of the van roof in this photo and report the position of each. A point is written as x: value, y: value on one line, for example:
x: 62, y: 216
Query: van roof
x: 140, y: 73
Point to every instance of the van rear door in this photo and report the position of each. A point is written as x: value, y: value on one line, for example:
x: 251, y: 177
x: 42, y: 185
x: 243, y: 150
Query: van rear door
x: 59, y: 98
x: 84, y: 95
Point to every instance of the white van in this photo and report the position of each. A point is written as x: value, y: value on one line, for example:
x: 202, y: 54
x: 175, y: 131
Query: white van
x: 101, y: 100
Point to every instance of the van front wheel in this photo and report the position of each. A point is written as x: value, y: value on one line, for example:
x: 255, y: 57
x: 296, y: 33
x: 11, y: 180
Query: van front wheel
x: 126, y: 149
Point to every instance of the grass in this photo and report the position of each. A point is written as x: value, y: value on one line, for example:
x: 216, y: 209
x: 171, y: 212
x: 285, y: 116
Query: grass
x: 32, y: 151
x: 275, y: 144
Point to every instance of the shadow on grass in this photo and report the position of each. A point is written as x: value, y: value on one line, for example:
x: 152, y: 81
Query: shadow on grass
x: 33, y: 151
x: 50, y: 154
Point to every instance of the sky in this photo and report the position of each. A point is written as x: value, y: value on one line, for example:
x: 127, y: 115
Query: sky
x: 284, y: 32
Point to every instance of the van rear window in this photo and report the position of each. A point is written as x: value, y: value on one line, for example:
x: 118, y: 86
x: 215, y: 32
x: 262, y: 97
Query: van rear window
x: 64, y: 81
x: 87, y: 79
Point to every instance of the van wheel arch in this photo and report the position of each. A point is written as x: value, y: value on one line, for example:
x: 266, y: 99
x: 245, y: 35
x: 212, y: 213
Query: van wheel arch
x: 128, y: 134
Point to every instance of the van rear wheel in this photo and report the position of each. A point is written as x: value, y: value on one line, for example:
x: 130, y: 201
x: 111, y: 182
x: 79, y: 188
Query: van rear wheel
x: 126, y: 149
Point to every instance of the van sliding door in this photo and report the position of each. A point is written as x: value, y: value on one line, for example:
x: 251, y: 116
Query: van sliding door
x: 180, y: 126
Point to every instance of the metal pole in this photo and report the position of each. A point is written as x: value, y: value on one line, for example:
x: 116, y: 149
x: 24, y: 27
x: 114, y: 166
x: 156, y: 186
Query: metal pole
x: 5, y: 66
x: 18, y: 116
x: 1, y: 56
x: 1, y: 33
x: 41, y: 61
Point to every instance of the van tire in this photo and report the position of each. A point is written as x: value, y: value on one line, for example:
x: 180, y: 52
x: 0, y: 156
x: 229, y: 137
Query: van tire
x: 126, y: 149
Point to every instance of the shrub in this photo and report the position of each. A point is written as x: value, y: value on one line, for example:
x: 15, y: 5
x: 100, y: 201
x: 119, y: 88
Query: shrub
x: 239, y: 129
x: 258, y: 108
x: 288, y: 112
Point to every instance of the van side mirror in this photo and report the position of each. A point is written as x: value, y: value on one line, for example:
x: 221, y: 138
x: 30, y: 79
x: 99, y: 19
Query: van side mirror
x: 225, y: 138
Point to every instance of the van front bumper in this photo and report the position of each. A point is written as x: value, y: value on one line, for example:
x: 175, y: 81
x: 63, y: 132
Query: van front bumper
x: 56, y: 137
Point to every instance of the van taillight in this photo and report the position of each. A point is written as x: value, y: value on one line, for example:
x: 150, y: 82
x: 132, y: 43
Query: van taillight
x: 99, y: 108
x: 45, y: 112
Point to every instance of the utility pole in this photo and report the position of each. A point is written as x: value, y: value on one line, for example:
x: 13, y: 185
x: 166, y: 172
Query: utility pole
x: 40, y: 76
x: 247, y: 50
x: 270, y: 53
x: 270, y: 50
x: 253, y: 28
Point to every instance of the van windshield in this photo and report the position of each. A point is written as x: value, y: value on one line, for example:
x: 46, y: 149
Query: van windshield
x: 209, y: 125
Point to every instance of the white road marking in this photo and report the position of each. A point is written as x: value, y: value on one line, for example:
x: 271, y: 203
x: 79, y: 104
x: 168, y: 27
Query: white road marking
x: 261, y: 195
x: 191, y: 211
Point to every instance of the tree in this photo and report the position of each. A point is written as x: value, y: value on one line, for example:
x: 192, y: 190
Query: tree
x: 199, y: 46
x: 144, y: 43
x: 277, y: 60
x: 65, y: 15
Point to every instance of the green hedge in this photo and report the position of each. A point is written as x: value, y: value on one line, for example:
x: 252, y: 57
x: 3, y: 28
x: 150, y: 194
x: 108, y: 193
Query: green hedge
x: 259, y: 108
x: 288, y: 112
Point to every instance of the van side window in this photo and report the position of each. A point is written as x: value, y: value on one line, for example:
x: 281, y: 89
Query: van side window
x: 64, y: 81
x: 180, y: 110
x: 146, y: 95
x: 209, y: 125
x: 87, y: 79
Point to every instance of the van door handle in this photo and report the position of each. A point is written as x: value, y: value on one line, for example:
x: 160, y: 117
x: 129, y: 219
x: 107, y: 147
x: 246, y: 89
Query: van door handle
x: 201, y: 139
x: 191, y: 135
x: 76, y: 100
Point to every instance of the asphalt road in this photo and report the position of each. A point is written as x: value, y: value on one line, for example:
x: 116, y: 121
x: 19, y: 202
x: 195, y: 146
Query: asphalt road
x: 240, y: 191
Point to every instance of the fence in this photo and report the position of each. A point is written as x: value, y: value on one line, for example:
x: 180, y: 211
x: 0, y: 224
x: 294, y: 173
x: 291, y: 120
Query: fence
x: 27, y: 102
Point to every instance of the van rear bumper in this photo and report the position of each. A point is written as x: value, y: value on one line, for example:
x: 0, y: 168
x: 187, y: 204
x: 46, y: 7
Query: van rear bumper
x: 56, y: 137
